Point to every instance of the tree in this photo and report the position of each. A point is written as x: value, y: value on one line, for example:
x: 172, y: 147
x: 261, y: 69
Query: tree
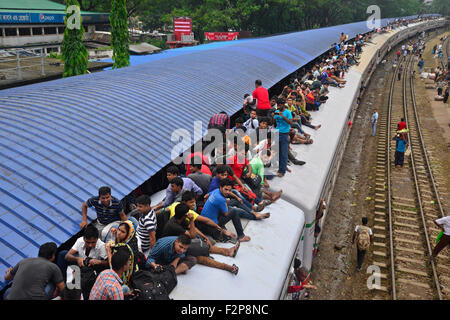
x: 120, y: 38
x: 74, y: 53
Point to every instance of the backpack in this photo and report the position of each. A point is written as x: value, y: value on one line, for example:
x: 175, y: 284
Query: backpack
x: 363, y: 238
x: 154, y: 285
x: 87, y: 280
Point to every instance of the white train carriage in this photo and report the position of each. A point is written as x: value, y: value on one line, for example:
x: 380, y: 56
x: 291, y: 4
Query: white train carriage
x: 307, y: 184
x: 264, y: 262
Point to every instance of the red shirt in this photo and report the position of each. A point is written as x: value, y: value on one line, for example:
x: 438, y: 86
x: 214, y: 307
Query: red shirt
x: 262, y: 97
x: 236, y: 165
x: 401, y: 126
x: 205, y: 163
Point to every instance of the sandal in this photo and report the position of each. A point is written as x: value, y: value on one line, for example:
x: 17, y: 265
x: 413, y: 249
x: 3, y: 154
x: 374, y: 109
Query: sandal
x: 267, y: 203
x: 235, y: 269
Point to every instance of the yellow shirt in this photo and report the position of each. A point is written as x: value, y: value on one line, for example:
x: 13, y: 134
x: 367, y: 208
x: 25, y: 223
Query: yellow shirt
x: 172, y: 211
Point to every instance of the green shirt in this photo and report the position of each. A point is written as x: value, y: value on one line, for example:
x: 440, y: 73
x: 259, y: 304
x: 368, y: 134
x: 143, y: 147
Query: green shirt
x: 258, y: 168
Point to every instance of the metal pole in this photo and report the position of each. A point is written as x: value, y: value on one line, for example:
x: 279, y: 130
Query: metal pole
x: 19, y: 71
x: 42, y: 62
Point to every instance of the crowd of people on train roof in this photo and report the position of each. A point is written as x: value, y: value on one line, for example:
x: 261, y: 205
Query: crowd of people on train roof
x: 203, y: 195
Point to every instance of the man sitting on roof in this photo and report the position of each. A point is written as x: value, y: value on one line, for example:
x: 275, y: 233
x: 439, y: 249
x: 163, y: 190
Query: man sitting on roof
x: 109, y: 210
x: 200, y: 178
x: 217, y: 210
x: 171, y: 250
x: 188, y: 184
x: 201, y: 222
x: 35, y: 278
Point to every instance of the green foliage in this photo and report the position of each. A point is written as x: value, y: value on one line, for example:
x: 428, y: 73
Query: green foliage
x: 55, y: 55
x: 120, y: 38
x: 263, y: 17
x: 160, y: 43
x: 74, y: 53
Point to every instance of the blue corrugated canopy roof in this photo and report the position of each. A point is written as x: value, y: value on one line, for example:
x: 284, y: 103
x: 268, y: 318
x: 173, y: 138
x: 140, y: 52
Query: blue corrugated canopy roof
x: 61, y: 140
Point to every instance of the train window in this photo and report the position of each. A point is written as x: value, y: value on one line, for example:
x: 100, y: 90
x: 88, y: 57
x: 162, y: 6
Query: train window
x: 61, y: 30
x: 10, y: 32
x: 50, y: 30
x: 24, y: 31
x: 37, y: 31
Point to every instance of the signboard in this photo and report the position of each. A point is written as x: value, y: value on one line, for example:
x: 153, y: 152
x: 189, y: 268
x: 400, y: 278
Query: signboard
x: 221, y: 36
x: 8, y: 17
x: 182, y: 26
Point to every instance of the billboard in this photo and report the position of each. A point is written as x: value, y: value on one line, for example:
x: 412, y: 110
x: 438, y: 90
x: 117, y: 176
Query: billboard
x: 182, y: 26
x: 221, y: 36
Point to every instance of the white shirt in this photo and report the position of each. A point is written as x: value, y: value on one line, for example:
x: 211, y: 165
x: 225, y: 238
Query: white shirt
x: 358, y: 228
x: 99, y: 252
x: 445, y: 221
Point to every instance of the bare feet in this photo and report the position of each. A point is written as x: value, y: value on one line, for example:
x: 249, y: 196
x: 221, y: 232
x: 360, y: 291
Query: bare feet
x: 288, y: 170
x: 228, y: 233
x: 280, y: 175
x: 317, y: 127
x: 277, y: 195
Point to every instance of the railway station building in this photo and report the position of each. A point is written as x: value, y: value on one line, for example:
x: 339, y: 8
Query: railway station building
x: 31, y: 23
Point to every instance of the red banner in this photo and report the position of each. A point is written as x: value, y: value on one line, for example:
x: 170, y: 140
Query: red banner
x: 221, y: 36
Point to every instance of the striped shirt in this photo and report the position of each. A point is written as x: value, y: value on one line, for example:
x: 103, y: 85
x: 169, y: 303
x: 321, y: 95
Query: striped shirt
x: 108, y: 286
x: 147, y: 223
x: 106, y: 215
x: 163, y: 252
x: 219, y: 120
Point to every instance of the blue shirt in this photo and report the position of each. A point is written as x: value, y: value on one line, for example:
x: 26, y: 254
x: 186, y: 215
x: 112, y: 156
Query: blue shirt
x: 215, y: 205
x: 215, y: 184
x: 163, y: 252
x: 324, y: 77
x: 106, y: 215
x: 374, y: 118
x: 401, y: 144
x: 282, y: 125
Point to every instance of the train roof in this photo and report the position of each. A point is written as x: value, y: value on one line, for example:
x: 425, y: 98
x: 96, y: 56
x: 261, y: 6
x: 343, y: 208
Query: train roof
x: 264, y: 261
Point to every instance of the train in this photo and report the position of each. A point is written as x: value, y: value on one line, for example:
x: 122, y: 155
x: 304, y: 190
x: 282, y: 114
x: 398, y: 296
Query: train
x: 63, y: 139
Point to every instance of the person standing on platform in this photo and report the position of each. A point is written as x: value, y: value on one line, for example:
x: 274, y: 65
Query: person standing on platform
x: 261, y: 95
x: 374, y: 121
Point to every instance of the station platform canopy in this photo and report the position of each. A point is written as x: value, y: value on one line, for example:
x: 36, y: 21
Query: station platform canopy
x: 61, y: 140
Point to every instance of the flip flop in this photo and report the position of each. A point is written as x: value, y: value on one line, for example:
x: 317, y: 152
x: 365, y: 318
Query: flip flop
x: 238, y: 244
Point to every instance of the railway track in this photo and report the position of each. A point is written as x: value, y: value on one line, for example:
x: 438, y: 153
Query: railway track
x: 406, y: 204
